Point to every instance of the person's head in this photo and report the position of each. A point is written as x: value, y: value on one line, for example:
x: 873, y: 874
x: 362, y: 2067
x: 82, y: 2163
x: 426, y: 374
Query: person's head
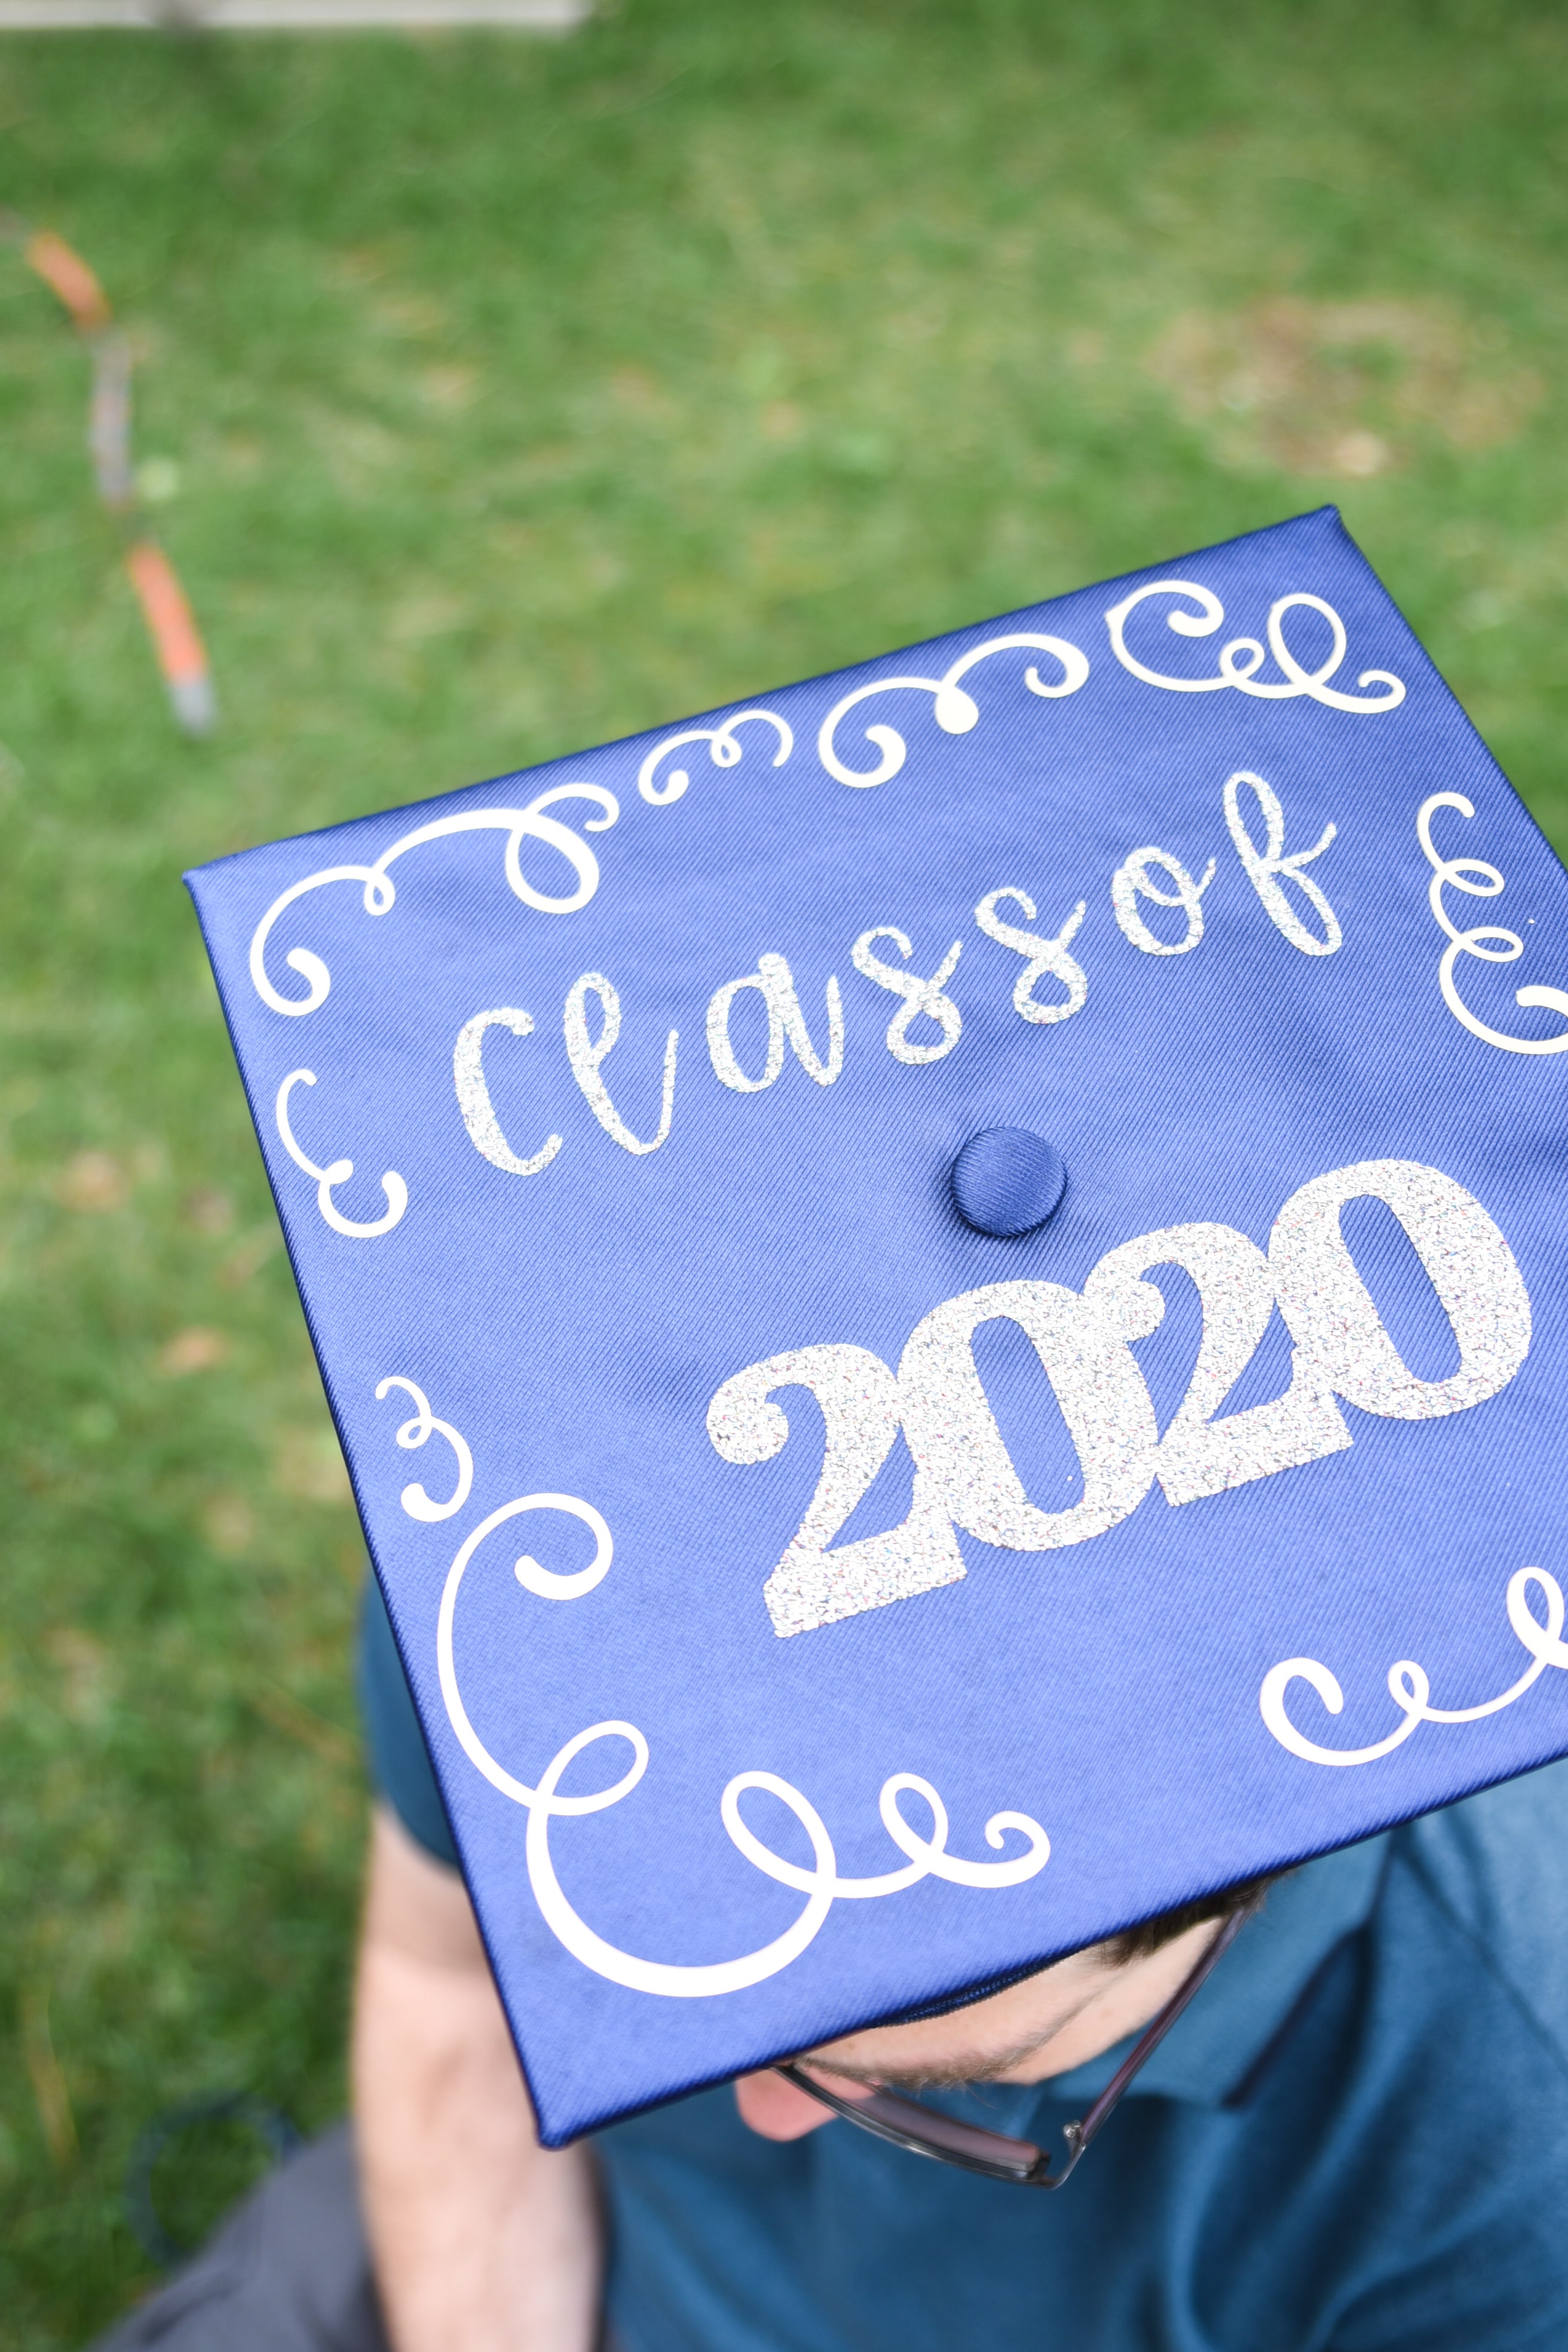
x: 1045, y: 2024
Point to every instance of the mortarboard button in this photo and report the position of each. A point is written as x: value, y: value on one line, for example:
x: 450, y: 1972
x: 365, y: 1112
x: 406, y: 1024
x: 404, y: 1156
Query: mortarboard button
x: 1008, y: 1182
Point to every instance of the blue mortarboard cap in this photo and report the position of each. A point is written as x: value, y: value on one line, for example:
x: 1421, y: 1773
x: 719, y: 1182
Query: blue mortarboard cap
x: 944, y: 1294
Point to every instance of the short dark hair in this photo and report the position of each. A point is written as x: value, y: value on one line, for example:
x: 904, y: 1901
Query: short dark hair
x: 1152, y: 1935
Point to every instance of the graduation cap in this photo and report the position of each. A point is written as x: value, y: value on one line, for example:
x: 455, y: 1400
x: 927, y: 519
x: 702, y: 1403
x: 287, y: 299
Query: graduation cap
x: 944, y: 1295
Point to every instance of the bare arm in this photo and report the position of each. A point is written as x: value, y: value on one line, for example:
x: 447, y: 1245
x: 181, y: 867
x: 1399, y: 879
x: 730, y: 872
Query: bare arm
x: 484, y: 2241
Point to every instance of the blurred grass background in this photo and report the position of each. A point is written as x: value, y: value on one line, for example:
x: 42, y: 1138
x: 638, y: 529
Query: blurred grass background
x: 500, y: 395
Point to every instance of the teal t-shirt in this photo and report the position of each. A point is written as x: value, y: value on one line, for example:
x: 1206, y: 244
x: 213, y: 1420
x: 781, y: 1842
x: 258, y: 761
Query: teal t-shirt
x: 1355, y: 2140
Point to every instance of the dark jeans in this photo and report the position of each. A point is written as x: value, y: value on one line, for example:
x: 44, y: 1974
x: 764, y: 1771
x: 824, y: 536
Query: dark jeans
x: 288, y: 2271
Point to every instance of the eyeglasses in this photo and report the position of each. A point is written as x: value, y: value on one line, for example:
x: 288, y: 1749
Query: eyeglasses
x: 925, y: 2131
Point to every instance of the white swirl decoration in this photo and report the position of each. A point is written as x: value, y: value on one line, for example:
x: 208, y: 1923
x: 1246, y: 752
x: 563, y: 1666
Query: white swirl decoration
x: 1409, y: 1686
x: 723, y: 749
x: 416, y: 1432
x: 1488, y: 942
x: 925, y: 1856
x: 1243, y: 657
x: 955, y: 708
x: 337, y: 1172
x: 519, y: 825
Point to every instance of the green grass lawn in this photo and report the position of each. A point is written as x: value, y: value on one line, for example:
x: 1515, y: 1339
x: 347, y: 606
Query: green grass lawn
x: 514, y: 393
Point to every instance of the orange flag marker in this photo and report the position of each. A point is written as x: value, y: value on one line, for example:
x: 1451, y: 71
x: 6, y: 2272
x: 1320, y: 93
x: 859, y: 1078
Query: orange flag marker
x: 70, y: 277
x: 182, y: 658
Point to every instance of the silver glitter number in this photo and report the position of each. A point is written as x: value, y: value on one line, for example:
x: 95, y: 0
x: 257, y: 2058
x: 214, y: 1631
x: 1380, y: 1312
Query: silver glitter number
x: 1082, y: 1345
x: 1198, y: 1455
x: 965, y: 1476
x: 814, y: 1585
x: 1331, y: 1313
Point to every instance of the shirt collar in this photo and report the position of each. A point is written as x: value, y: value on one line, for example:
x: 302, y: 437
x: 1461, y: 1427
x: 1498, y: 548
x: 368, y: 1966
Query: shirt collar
x: 1215, y: 2042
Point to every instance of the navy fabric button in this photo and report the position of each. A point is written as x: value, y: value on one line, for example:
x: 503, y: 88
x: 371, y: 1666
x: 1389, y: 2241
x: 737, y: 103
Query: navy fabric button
x: 1007, y: 1181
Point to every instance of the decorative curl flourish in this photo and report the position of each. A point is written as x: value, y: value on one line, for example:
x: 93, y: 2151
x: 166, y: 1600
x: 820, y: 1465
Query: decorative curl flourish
x: 1243, y: 657
x: 380, y: 892
x: 338, y: 1172
x: 926, y: 1857
x: 548, y: 1583
x: 415, y: 1431
x: 1409, y: 1686
x: 1488, y: 942
x: 955, y: 710
x: 722, y: 748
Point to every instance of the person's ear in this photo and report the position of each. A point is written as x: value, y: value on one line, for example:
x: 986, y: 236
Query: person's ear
x: 776, y: 2109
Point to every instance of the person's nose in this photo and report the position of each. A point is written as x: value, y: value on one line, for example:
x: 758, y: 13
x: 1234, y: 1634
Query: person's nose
x: 776, y: 2109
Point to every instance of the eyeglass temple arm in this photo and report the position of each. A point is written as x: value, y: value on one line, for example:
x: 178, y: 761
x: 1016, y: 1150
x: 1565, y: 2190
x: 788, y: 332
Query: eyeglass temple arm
x: 927, y: 2131
x: 1154, y: 2033
x: 911, y: 2126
